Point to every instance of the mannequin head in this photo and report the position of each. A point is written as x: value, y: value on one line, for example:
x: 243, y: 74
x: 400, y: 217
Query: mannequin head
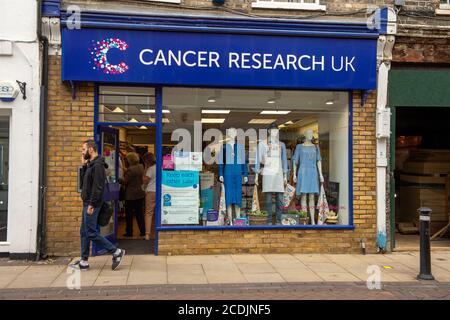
x: 231, y: 134
x: 308, y: 135
x: 273, y: 132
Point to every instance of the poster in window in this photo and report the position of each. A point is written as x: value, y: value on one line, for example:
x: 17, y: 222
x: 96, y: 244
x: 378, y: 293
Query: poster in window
x: 180, y: 197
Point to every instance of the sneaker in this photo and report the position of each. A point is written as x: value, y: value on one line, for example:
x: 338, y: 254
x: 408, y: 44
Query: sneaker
x: 117, y: 259
x: 80, y: 265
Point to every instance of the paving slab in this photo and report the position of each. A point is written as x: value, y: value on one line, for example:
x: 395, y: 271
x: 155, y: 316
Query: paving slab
x: 324, y: 267
x: 248, y: 258
x: 306, y: 258
x: 252, y: 268
x: 264, y: 277
x: 218, y: 277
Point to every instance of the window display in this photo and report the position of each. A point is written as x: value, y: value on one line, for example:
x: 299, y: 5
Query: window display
x: 275, y: 148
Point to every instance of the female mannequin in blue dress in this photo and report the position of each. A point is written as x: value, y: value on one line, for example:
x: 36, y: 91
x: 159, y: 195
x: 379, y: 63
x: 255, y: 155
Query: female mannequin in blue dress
x: 230, y: 173
x: 307, y: 159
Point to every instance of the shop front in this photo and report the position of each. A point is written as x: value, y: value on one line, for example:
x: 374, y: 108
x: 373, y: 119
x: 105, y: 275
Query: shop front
x: 209, y: 97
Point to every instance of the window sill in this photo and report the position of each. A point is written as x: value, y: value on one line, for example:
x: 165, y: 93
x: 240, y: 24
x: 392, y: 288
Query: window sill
x: 288, y: 6
x: 256, y: 227
x: 443, y: 11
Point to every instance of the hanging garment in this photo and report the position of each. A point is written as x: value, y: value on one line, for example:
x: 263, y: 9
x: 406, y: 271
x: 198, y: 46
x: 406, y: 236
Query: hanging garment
x: 255, y: 200
x: 322, y: 205
x: 222, y: 205
x: 305, y: 158
x: 232, y: 167
x: 273, y: 157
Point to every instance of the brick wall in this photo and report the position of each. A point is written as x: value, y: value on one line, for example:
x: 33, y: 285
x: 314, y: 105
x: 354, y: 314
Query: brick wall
x: 303, y: 241
x: 70, y: 122
x: 421, y: 50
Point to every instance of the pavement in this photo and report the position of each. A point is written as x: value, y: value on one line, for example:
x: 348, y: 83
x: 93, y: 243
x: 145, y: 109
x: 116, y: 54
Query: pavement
x: 247, y: 276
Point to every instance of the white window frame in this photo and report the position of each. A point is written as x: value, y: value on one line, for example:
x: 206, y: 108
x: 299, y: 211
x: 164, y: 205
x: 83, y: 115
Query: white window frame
x: 300, y: 5
x: 444, y: 8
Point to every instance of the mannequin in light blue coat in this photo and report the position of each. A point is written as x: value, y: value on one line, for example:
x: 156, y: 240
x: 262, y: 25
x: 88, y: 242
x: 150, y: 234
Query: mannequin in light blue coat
x: 307, y: 158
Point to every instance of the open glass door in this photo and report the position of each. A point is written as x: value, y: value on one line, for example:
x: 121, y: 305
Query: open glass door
x: 108, y: 141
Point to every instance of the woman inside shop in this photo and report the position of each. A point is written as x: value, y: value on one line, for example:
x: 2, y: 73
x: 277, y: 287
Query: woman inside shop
x: 134, y: 195
x: 150, y: 191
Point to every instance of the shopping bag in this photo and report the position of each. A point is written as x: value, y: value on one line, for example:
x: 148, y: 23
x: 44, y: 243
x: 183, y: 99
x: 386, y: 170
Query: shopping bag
x: 222, y: 205
x: 322, y: 206
x: 105, y: 214
x: 288, y: 195
x: 168, y: 162
x: 255, y: 201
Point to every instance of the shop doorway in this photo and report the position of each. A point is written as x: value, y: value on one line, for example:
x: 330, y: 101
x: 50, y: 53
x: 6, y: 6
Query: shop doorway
x: 422, y: 174
x: 126, y: 133
x: 119, y: 145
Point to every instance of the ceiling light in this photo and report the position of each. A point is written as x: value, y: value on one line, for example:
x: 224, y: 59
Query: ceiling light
x: 261, y: 121
x: 271, y: 101
x: 165, y: 120
x: 274, y: 112
x: 289, y: 122
x: 153, y: 111
x: 217, y: 111
x: 143, y: 127
x: 281, y: 126
x: 118, y: 110
x: 133, y: 120
x: 329, y: 102
x: 211, y: 99
x: 213, y: 120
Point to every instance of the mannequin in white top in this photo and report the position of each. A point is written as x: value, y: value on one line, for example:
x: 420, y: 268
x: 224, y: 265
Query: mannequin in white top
x: 231, y: 169
x: 307, y: 155
x: 271, y: 154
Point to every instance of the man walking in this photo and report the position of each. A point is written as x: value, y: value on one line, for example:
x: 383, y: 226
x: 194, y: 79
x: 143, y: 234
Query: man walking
x: 93, y: 178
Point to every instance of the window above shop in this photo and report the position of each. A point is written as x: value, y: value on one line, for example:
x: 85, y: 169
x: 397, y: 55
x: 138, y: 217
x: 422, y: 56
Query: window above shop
x: 444, y: 7
x: 289, y: 4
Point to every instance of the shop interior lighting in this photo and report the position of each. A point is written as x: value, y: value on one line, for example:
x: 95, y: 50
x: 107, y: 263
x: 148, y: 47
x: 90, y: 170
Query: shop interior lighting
x: 274, y: 112
x: 281, y: 126
x: 118, y: 110
x: 133, y: 120
x: 329, y: 102
x: 261, y: 121
x: 217, y: 111
x: 289, y: 122
x: 143, y: 127
x: 213, y: 120
x: 211, y: 99
x: 153, y: 111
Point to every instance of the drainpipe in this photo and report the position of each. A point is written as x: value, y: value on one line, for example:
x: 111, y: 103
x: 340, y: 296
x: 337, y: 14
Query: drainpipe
x: 384, y: 57
x: 43, y: 104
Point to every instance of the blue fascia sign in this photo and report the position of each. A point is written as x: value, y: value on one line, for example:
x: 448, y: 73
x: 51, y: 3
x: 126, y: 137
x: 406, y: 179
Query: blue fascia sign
x: 221, y: 60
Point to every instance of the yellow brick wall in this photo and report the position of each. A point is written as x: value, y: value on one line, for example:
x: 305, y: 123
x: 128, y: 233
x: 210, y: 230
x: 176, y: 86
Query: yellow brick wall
x: 70, y: 122
x: 303, y: 241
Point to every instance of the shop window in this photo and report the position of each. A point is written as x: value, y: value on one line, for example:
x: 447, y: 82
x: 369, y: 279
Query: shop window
x: 126, y: 104
x: 444, y: 7
x: 4, y: 171
x: 214, y: 133
x: 289, y: 4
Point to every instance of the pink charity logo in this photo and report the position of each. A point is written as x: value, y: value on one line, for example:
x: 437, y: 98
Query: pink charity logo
x: 99, y: 51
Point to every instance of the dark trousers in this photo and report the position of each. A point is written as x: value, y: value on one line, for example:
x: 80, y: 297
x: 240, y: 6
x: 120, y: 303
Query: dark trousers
x: 89, y: 233
x: 136, y: 208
